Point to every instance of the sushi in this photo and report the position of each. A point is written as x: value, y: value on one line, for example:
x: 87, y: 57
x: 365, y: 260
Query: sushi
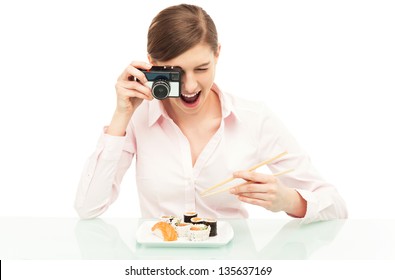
x: 193, y: 228
x: 166, y: 218
x: 199, y: 232
x: 182, y: 229
x: 189, y: 215
x: 197, y: 220
x: 164, y: 231
x: 213, y: 225
x: 175, y: 221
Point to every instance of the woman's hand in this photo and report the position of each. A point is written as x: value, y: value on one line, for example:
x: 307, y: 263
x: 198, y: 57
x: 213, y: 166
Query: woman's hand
x: 268, y: 191
x: 131, y: 93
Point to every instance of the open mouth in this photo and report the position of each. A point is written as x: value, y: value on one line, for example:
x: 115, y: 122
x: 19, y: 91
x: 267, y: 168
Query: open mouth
x: 190, y: 98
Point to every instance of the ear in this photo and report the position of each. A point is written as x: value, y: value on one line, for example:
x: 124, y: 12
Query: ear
x: 218, y: 50
x: 216, y: 55
x: 150, y: 59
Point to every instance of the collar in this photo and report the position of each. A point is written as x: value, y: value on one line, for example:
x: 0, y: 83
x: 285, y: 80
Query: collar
x: 156, y: 109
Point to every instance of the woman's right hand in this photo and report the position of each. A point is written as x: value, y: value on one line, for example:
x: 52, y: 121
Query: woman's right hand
x: 130, y: 93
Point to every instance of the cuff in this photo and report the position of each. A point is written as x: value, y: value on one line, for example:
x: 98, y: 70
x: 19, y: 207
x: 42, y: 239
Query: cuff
x: 312, y: 206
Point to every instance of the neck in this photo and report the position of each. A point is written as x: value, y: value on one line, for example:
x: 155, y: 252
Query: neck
x: 210, y: 110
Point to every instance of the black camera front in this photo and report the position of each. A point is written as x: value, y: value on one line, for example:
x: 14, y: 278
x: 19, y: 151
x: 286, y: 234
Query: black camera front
x: 165, y: 81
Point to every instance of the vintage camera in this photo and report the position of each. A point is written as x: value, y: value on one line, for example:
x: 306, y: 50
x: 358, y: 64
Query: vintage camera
x: 165, y: 81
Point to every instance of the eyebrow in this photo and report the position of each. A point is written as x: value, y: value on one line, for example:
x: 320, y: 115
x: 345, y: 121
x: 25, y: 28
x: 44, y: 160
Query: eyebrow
x: 203, y: 64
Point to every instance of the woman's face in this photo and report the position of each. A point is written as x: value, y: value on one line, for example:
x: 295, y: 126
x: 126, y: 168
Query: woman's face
x: 198, y: 65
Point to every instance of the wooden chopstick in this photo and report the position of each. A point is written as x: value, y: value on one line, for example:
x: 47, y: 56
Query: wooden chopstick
x: 242, y: 184
x: 250, y: 169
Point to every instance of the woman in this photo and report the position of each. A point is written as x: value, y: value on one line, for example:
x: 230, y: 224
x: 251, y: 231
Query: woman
x: 184, y: 145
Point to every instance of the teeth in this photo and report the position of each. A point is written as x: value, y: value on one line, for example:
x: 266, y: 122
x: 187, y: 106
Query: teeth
x: 189, y: 96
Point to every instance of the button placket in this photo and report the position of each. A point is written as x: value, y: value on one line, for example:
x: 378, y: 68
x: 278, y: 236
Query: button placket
x: 185, y: 157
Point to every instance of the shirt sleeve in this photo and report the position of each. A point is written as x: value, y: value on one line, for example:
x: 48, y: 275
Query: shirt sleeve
x: 103, y: 173
x: 323, y: 200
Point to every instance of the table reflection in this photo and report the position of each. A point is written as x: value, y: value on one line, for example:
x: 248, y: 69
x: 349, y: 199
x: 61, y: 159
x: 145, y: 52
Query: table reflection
x: 98, y: 239
x: 300, y: 241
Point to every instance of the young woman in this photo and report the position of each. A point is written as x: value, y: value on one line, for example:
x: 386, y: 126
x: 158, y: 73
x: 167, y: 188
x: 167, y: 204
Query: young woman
x: 184, y: 145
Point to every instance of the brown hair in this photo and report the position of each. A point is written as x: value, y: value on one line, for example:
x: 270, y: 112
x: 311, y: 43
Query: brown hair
x: 178, y: 28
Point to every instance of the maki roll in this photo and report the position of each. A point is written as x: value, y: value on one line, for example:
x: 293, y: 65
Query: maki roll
x: 182, y: 229
x: 166, y: 218
x: 197, y: 220
x: 213, y: 225
x: 199, y: 232
x: 175, y: 221
x: 189, y: 215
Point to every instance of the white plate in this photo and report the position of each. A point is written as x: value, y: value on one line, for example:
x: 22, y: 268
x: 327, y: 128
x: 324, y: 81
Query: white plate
x: 146, y: 237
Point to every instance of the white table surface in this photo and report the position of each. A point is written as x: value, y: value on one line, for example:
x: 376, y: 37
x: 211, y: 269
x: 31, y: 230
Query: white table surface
x: 69, y: 239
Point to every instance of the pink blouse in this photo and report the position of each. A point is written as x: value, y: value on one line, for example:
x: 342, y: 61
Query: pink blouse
x: 169, y: 184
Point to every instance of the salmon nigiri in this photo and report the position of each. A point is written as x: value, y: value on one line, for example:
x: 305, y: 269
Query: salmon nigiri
x: 165, y: 231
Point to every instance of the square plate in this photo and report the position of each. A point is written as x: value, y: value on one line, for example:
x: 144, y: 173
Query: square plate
x: 145, y: 236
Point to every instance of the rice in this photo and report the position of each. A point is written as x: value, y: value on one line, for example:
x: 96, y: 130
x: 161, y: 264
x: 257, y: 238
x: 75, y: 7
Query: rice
x: 199, y: 232
x: 182, y: 229
x: 166, y: 218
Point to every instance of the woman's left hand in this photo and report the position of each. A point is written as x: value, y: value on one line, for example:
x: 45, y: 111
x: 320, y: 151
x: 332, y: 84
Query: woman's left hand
x: 268, y: 191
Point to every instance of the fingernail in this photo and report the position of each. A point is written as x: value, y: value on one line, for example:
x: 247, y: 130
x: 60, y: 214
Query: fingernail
x: 232, y: 190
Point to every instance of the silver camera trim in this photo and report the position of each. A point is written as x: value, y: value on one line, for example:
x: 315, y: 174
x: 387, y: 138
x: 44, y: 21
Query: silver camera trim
x: 173, y: 89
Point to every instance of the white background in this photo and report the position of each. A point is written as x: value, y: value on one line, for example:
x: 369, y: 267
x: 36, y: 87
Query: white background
x: 327, y: 68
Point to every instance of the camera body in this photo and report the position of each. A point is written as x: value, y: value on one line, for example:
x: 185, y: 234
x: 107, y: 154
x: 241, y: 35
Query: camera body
x: 165, y: 81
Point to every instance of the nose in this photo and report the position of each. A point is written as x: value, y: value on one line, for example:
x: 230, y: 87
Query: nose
x: 189, y: 83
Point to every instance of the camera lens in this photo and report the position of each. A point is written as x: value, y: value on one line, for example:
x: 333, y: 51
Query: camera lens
x: 160, y: 89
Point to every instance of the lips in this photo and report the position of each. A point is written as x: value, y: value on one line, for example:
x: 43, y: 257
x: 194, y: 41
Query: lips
x: 190, y: 98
